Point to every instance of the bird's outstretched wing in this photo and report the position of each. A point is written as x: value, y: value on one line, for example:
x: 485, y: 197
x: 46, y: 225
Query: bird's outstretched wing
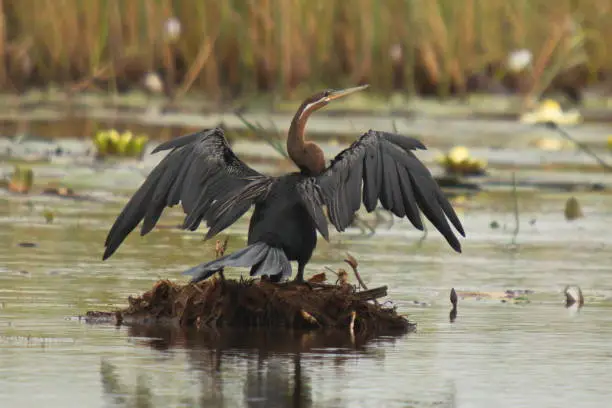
x: 202, y: 173
x: 390, y: 172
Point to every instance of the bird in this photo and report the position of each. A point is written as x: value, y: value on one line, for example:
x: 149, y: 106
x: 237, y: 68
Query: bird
x: 214, y: 185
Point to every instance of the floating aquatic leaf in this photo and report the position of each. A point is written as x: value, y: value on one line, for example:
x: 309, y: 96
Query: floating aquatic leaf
x: 137, y: 145
x: 112, y: 143
x: 124, y: 141
x: 101, y: 141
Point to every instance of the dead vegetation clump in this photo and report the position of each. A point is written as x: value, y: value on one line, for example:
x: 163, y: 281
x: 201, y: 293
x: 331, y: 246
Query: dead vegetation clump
x: 223, y: 303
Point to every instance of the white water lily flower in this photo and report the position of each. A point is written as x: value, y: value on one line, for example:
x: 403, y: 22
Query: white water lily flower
x: 550, y: 112
x: 519, y: 60
x: 153, y: 82
x: 172, y: 28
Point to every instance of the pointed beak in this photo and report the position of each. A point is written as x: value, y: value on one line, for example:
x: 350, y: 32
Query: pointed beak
x: 345, y: 92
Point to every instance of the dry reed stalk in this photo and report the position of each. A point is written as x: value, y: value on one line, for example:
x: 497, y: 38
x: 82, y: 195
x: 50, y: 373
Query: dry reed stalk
x: 195, y: 68
x: 267, y: 44
x: 465, y: 41
x: 3, y: 78
x: 543, y: 59
x: 440, y: 38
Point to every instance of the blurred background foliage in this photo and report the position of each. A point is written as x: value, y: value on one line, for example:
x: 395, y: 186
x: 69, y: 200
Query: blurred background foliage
x: 237, y: 47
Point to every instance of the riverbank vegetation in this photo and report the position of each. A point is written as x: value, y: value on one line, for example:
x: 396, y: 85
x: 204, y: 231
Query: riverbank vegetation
x: 288, y: 47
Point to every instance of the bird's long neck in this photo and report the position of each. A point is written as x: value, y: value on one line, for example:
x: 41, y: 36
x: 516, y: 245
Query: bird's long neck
x: 296, y: 143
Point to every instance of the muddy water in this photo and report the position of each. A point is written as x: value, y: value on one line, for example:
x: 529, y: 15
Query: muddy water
x: 495, y: 354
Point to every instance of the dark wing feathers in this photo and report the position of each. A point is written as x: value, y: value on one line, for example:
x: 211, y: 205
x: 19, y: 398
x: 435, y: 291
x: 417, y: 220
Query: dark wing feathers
x: 372, y: 176
x: 410, y: 205
x: 180, y: 141
x: 406, y: 143
x: 202, y: 173
x: 312, y: 198
x: 225, y: 212
x: 390, y: 173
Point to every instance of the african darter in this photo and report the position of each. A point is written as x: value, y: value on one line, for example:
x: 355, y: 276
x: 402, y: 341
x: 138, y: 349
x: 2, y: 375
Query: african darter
x: 213, y: 184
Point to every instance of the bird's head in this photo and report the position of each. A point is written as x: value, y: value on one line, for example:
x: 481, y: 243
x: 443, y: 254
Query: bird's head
x: 321, y: 99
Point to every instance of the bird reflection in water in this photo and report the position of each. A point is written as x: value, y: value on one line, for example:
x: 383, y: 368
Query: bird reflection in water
x: 275, y: 375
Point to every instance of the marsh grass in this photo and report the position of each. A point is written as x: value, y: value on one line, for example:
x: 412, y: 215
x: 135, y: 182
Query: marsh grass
x: 238, y: 47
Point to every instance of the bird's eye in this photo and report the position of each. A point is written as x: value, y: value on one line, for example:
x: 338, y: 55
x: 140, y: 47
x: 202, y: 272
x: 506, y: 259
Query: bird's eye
x: 326, y: 93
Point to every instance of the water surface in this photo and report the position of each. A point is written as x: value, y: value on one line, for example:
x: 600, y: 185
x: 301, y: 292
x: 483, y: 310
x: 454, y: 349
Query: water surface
x: 495, y: 354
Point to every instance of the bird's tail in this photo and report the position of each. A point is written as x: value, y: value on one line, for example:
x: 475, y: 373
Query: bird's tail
x: 263, y: 258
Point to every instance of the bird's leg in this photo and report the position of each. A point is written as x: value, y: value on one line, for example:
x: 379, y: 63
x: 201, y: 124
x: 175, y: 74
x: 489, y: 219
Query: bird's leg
x: 299, y: 278
x: 300, y: 274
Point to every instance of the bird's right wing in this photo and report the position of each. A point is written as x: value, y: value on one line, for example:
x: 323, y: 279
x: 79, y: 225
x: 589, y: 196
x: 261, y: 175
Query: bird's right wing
x: 203, y: 173
x: 384, y: 164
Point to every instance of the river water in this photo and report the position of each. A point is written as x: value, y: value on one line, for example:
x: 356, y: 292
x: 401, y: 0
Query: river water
x: 502, y: 354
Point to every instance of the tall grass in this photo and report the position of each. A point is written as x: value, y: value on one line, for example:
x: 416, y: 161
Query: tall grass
x: 243, y: 46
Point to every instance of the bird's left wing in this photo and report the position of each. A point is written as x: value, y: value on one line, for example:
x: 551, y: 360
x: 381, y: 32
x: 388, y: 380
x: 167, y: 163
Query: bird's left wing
x: 384, y: 164
x: 202, y: 173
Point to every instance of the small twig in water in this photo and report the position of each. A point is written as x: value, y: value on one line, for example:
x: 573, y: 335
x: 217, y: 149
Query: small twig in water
x: 453, y: 299
x: 353, y: 263
x: 517, y: 221
x: 220, y: 247
x: 352, y: 325
x: 341, y: 275
x: 581, y: 146
x: 423, y: 237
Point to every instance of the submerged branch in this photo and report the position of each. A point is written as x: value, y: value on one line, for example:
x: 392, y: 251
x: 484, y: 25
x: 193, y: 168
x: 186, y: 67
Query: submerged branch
x: 372, y: 294
x: 580, y: 145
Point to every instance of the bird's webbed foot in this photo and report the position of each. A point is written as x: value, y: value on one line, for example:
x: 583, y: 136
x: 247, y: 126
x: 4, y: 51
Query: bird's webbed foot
x: 299, y: 280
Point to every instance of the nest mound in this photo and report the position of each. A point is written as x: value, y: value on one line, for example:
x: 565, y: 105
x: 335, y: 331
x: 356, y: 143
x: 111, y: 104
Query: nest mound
x: 262, y: 304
